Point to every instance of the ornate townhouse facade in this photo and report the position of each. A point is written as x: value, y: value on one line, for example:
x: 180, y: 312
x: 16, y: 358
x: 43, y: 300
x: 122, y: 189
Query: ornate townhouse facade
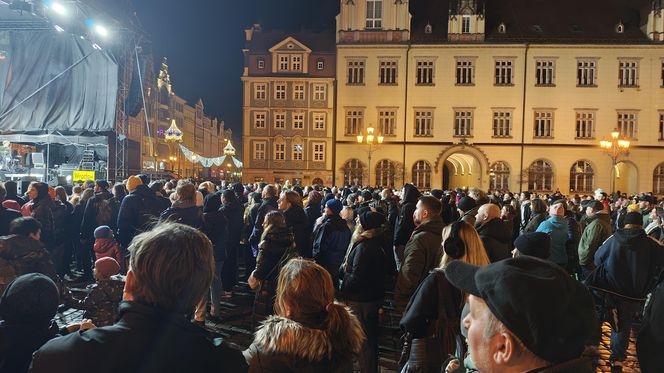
x: 288, y: 96
x: 500, y: 94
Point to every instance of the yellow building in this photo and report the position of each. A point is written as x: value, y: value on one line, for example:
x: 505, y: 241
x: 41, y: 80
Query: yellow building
x: 494, y: 95
x: 288, y: 116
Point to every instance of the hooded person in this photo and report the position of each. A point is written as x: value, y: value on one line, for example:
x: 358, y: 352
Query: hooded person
x: 331, y: 239
x: 404, y: 225
x: 27, y: 308
x: 139, y: 211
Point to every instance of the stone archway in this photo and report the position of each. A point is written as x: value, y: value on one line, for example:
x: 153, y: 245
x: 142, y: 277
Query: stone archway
x: 627, y: 178
x: 463, y: 165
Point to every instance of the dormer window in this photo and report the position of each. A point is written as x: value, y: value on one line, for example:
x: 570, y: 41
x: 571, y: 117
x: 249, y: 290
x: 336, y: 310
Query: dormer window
x: 320, y: 64
x: 261, y: 63
x: 502, y: 28
x: 465, y: 24
x: 537, y: 28
x: 374, y: 14
x: 428, y: 29
x: 620, y: 28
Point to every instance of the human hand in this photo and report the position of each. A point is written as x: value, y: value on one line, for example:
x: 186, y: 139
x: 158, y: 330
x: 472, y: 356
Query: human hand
x: 84, y: 325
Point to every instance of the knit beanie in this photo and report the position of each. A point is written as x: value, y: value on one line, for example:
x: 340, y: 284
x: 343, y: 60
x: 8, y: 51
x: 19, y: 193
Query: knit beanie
x: 107, y: 267
x: 31, y: 299
x: 535, y: 244
x: 103, y: 231
x: 335, y: 205
x: 371, y: 220
x: 466, y: 204
x: 133, y: 182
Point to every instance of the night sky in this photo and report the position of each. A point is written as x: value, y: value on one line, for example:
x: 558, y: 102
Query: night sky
x: 203, y: 41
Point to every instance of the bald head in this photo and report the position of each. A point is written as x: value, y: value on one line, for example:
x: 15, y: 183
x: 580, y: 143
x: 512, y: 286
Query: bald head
x: 487, y: 212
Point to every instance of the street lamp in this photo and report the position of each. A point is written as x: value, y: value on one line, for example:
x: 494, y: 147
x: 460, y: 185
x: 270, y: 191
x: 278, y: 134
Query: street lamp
x: 614, y: 147
x: 173, y: 135
x: 372, y: 141
x: 193, y: 165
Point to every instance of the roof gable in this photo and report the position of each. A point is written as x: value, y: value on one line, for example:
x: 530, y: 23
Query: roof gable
x: 290, y: 44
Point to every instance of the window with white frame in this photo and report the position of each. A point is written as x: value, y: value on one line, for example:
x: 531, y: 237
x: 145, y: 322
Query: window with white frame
x: 540, y: 176
x: 463, y: 123
x: 296, y: 63
x: 353, y: 172
x: 499, y: 176
x: 627, y: 124
x: 422, y: 175
x: 260, y: 91
x: 374, y: 14
x: 279, y: 151
x: 586, y: 72
x: 319, y: 92
x: 425, y: 69
x: 628, y: 73
x: 319, y: 152
x: 503, y: 72
x: 387, y: 121
x: 261, y: 63
x: 259, y: 150
x: 388, y: 72
x: 298, y: 92
x: 465, y: 24
x: 298, y: 151
x: 354, y: 121
x: 280, y: 120
x: 543, y: 124
x: 424, y: 122
x: 502, y: 123
x: 465, y: 71
x: 585, y: 124
x: 545, y: 72
x: 280, y: 91
x: 581, y: 177
x: 386, y: 173
x: 298, y: 121
x: 284, y: 62
x: 319, y: 121
x: 259, y: 119
x: 320, y: 64
x: 355, y: 72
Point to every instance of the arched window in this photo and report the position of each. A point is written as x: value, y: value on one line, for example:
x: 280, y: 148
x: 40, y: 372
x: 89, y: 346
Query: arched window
x: 422, y: 175
x: 540, y: 176
x: 658, y: 179
x: 385, y: 173
x: 317, y: 181
x: 353, y: 171
x: 499, y: 177
x: 581, y: 177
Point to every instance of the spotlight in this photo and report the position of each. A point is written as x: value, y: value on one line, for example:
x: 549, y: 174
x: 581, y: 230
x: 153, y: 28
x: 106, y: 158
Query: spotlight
x: 101, y: 30
x: 58, y: 28
x: 96, y: 46
x: 59, y: 8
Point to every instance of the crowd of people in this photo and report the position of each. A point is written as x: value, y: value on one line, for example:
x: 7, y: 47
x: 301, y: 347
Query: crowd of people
x: 483, y: 281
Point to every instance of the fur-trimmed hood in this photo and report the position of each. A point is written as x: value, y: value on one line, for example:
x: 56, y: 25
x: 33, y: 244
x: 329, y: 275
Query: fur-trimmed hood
x: 284, y: 338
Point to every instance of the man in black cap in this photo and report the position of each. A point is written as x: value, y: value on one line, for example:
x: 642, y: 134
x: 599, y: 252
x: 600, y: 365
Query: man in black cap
x: 628, y: 266
x: 526, y: 315
x: 535, y: 244
x: 467, y: 208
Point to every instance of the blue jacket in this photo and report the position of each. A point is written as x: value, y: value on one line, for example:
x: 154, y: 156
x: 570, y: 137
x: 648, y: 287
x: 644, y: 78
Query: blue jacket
x: 556, y: 228
x: 331, y: 240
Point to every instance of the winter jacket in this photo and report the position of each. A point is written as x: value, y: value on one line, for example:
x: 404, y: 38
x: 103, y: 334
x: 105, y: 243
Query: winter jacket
x: 139, y: 210
x: 422, y: 254
x: 234, y: 214
x: 20, y: 255
x: 596, y: 232
x: 534, y: 222
x: 470, y: 216
x: 101, y: 303
x: 42, y: 211
x: 107, y: 247
x: 284, y: 345
x: 331, y: 239
x: 524, y: 214
x: 186, y: 213
x: 268, y: 204
x: 296, y: 219
x: 102, y: 209
x: 365, y: 267
x: 275, y: 250
x: 629, y: 263
x: 151, y: 340
x: 313, y: 213
x: 6, y: 217
x: 216, y: 229
x: 435, y: 303
x: 18, y: 342
x: 404, y: 224
x: 497, y: 239
x: 650, y: 340
x: 556, y: 228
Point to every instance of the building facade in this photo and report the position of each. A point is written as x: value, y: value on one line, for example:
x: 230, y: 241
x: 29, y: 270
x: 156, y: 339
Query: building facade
x: 500, y: 96
x: 203, y: 135
x: 288, y: 96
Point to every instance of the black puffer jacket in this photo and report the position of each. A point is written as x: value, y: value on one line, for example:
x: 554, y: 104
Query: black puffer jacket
x: 496, y: 237
x: 268, y: 204
x: 6, y: 217
x: 296, y: 219
x: 216, y: 226
x: 275, y: 250
x: 186, y: 213
x: 138, y: 211
x: 363, y: 273
x: 404, y: 224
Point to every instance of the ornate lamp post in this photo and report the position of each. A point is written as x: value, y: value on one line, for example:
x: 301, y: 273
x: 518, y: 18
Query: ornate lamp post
x: 372, y: 141
x: 614, y: 147
x: 173, y: 135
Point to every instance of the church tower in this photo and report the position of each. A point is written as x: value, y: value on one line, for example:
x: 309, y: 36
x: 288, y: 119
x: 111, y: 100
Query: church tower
x: 466, y: 21
x: 373, y: 21
x: 654, y: 26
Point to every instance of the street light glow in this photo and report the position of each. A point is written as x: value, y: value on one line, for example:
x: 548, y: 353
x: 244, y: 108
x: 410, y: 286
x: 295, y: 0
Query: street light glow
x: 59, y: 9
x: 101, y: 30
x: 58, y: 28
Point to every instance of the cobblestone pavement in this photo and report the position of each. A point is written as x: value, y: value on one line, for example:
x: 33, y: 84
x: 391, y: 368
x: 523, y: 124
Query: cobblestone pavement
x: 237, y: 328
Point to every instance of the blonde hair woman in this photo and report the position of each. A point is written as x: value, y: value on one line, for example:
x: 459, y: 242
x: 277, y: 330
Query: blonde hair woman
x: 310, y: 332
x: 435, y: 308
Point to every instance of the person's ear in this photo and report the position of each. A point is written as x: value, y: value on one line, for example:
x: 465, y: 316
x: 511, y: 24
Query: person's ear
x: 503, y: 348
x: 130, y: 286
